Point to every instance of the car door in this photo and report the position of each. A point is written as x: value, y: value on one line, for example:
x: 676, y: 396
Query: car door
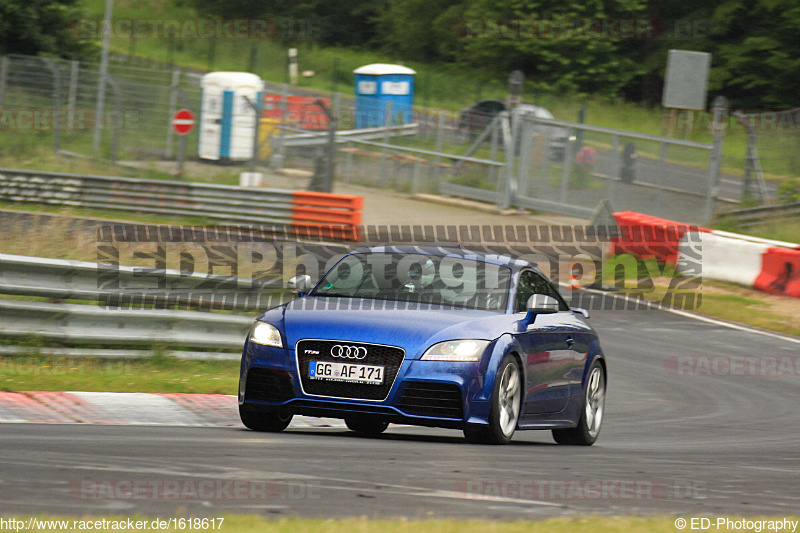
x: 547, y: 349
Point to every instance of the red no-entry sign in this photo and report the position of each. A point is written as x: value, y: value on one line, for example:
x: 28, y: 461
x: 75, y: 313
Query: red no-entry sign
x: 183, y: 121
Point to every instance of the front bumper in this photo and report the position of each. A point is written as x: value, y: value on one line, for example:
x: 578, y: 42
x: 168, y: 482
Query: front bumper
x: 426, y: 393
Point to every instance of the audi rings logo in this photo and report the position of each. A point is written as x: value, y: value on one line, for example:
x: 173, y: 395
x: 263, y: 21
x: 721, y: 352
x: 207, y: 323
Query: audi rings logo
x: 349, y: 352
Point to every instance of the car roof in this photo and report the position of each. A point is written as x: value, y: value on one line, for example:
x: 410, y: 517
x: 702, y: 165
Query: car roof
x: 537, y: 110
x: 448, y: 251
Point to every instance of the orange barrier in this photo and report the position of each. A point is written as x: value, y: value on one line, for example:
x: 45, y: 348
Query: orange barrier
x: 327, y: 215
x: 780, y: 272
x: 328, y: 199
x: 647, y: 236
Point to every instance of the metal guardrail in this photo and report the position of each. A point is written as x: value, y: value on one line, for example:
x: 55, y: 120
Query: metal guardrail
x: 217, y: 202
x: 222, y: 203
x: 99, y: 282
x: 88, y: 324
x: 116, y: 328
x: 752, y: 216
x: 342, y: 136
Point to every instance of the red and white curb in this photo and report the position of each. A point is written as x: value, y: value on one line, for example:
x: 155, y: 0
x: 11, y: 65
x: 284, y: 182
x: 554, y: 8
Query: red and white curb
x: 134, y: 408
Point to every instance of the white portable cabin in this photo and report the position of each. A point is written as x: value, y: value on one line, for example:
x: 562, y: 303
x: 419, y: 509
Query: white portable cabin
x: 227, y: 120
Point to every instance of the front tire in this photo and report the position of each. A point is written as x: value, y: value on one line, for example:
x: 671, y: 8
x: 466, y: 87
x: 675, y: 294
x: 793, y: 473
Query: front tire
x: 367, y: 426
x: 505, y: 407
x: 263, y: 419
x: 594, y: 399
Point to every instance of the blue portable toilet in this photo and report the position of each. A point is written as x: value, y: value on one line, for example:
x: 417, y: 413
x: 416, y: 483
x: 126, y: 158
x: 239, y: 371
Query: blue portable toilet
x: 381, y: 87
x: 227, y: 120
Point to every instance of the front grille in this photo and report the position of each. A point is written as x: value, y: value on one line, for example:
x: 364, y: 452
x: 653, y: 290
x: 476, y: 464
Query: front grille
x: 442, y: 400
x: 335, y: 408
x: 389, y: 357
x: 268, y: 385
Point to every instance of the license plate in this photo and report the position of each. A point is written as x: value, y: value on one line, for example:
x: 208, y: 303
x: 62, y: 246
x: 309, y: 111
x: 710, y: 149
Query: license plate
x: 345, y: 372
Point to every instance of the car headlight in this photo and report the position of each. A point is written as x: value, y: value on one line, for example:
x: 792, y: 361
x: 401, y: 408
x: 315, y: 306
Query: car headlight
x: 266, y: 334
x: 464, y: 350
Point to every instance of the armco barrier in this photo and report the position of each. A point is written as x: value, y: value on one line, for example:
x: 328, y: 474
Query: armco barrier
x: 330, y: 214
x: 780, y: 272
x: 647, y: 236
x: 92, y: 325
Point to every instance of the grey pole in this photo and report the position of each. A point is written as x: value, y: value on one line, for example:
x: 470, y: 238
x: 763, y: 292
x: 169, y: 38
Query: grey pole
x: 176, y: 77
x: 117, y: 120
x: 56, y: 103
x: 387, y: 123
x: 617, y: 171
x: 719, y: 108
x: 101, y: 82
x: 566, y: 166
x: 181, y: 154
x: 73, y: 94
x: 3, y: 77
x: 509, y: 189
x: 256, y: 108
x: 182, y: 143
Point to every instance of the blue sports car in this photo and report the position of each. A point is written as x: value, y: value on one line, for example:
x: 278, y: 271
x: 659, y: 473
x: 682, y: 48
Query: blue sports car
x: 427, y: 336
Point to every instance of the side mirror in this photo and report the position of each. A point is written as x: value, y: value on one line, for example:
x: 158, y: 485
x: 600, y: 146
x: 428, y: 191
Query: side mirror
x: 300, y: 284
x: 581, y: 311
x: 540, y: 304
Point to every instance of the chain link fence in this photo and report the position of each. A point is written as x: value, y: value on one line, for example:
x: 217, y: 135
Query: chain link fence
x: 512, y: 159
x: 773, y: 149
x: 42, y: 96
x: 568, y: 163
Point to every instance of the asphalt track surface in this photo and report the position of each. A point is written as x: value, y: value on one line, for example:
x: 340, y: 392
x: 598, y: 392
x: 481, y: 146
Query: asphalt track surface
x: 671, y: 443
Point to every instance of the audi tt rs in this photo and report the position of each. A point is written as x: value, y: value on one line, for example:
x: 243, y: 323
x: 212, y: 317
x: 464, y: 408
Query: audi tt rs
x: 427, y: 336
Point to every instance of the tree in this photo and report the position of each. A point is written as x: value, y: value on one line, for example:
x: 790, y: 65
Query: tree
x: 339, y: 22
x: 756, y: 61
x: 755, y: 53
x: 569, y: 46
x: 41, y: 27
x: 421, y: 30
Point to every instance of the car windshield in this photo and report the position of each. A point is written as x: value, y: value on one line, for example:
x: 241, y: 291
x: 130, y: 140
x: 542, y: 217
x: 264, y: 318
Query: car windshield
x: 448, y: 281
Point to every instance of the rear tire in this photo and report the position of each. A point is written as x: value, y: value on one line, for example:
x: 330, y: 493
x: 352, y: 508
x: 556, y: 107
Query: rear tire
x: 263, y: 419
x: 367, y: 426
x: 594, y: 399
x: 504, y: 411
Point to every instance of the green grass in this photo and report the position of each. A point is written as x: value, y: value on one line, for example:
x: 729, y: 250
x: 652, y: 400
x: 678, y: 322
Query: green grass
x: 727, y: 301
x: 735, y: 299
x: 156, y: 374
x: 783, y: 230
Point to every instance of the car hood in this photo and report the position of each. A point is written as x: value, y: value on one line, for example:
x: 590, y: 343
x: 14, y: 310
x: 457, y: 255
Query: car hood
x: 373, y: 321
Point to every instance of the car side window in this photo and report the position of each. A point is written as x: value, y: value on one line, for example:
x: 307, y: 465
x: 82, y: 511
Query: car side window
x: 531, y: 283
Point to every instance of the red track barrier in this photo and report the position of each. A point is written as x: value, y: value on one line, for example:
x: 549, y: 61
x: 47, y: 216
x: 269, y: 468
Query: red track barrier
x: 780, y: 272
x: 647, y: 236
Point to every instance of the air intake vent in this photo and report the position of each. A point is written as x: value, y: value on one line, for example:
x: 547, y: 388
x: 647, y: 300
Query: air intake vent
x: 441, y: 400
